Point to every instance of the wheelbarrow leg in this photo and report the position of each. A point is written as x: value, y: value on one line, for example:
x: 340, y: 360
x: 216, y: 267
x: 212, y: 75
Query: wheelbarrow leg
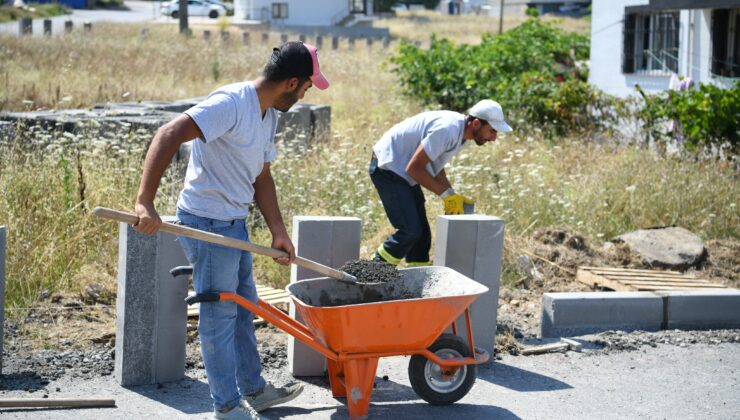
x: 359, y: 376
x: 336, y: 378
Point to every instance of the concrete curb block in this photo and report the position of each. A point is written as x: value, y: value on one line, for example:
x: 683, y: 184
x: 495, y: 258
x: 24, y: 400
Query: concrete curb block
x: 572, y: 314
x: 702, y: 310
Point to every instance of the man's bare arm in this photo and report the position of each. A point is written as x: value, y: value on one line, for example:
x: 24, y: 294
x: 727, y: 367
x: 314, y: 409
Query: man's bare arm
x: 165, y: 144
x: 417, y: 170
x: 266, y: 199
x: 442, y: 177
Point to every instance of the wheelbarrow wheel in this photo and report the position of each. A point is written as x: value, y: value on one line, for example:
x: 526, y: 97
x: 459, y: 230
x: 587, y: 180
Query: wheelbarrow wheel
x: 433, y: 383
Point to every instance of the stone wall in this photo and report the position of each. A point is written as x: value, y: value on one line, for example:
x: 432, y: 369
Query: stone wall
x: 303, y: 124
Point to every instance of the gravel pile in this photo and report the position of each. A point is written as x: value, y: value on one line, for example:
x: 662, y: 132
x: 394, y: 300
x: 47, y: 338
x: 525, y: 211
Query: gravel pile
x: 272, y: 355
x: 35, y: 370
x: 371, y: 271
x: 614, y: 341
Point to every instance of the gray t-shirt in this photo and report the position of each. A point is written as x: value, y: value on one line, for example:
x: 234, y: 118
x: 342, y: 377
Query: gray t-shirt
x: 237, y: 141
x: 439, y: 132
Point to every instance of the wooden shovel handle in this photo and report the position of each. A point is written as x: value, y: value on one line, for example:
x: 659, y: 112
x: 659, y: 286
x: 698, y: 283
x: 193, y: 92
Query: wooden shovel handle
x: 226, y: 241
x: 56, y: 402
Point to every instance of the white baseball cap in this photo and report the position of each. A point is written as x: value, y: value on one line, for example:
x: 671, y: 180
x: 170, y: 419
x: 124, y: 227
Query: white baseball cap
x: 491, y: 112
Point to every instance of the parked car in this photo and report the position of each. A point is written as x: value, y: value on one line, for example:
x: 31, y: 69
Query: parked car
x: 195, y: 8
x: 398, y: 7
x: 228, y: 6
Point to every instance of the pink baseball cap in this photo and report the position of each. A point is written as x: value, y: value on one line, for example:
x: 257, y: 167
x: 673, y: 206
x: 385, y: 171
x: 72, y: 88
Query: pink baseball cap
x: 298, y: 59
x: 317, y: 77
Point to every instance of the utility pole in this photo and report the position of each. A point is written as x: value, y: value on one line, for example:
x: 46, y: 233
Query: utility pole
x: 500, y: 18
x: 182, y: 13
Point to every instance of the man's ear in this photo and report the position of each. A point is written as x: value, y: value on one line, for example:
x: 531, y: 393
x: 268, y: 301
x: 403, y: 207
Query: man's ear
x: 291, y: 83
x: 476, y: 123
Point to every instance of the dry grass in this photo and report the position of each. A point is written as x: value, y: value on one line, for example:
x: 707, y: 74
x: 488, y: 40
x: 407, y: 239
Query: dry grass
x: 599, y: 190
x: 467, y: 29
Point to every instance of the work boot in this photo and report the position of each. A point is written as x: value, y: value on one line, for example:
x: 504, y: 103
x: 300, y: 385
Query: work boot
x: 271, y: 396
x: 240, y: 412
x: 378, y: 258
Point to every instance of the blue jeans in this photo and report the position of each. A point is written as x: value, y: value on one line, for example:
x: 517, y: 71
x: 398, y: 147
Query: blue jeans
x: 404, y: 206
x: 227, y: 341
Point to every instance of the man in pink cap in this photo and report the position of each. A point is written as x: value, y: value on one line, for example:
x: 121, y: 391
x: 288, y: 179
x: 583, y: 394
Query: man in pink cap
x: 229, y: 167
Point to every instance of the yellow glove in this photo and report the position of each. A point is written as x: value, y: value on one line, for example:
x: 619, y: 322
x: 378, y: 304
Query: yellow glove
x: 454, y: 203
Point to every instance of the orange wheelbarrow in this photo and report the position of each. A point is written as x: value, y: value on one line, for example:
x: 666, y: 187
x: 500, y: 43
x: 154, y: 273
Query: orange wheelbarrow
x: 354, y: 326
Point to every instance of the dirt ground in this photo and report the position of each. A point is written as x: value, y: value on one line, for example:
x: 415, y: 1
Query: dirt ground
x: 557, y: 253
x: 73, y: 335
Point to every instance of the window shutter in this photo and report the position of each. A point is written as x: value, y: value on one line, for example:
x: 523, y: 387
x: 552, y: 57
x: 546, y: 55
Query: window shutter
x: 628, y: 47
x: 720, y: 28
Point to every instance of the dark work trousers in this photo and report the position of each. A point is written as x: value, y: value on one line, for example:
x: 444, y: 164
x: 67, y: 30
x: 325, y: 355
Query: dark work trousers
x: 404, y: 206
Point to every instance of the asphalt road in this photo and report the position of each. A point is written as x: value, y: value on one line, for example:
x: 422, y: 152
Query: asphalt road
x: 671, y: 382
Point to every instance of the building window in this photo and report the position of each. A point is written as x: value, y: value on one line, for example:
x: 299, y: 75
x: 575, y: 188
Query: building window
x: 650, y: 43
x: 280, y: 10
x: 726, y: 42
x: 357, y: 6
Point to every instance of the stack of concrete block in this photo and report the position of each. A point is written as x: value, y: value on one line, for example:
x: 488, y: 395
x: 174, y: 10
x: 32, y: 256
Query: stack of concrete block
x: 473, y: 246
x: 331, y: 241
x: 572, y: 314
x: 304, y: 124
x: 151, y: 315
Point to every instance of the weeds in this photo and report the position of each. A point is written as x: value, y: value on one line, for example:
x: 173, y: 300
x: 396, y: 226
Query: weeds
x: 600, y: 190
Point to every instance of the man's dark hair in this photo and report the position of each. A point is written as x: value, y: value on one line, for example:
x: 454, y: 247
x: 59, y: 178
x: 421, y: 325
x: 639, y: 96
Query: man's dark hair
x: 291, y: 59
x: 471, y: 118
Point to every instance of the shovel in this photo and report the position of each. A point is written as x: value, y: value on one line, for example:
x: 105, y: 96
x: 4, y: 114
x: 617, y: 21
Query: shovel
x: 230, y: 242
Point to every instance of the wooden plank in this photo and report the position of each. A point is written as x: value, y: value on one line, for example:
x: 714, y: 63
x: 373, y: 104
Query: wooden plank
x: 279, y: 301
x: 646, y: 276
x: 593, y: 280
x: 677, y: 286
x: 277, y: 297
x: 669, y: 288
x: 632, y: 270
x: 57, y: 402
x: 271, y: 293
x: 672, y: 283
x: 643, y: 280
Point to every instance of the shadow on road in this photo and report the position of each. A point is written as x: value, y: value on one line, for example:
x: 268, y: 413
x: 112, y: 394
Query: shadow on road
x: 189, y: 396
x: 26, y: 380
x: 403, y: 410
x: 519, y: 379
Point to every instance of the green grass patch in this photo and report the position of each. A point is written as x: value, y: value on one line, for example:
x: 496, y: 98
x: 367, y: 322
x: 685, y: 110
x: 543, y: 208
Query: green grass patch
x: 33, y: 10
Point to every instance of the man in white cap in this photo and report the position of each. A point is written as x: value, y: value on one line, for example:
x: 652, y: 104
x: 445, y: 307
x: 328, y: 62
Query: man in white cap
x: 412, y: 155
x: 229, y: 167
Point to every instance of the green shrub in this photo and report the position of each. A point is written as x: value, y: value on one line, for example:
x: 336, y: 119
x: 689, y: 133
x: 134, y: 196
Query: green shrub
x: 531, y: 70
x: 707, y: 115
x: 108, y: 4
x: 532, y: 12
x: 32, y: 10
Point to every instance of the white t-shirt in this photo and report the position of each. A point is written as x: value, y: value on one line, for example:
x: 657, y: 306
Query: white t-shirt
x: 237, y: 141
x: 439, y: 132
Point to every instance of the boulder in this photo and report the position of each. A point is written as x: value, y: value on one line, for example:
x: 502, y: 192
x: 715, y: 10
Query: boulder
x: 668, y: 247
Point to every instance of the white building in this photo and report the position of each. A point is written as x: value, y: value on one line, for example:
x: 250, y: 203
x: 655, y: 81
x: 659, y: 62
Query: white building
x: 646, y: 41
x: 302, y: 12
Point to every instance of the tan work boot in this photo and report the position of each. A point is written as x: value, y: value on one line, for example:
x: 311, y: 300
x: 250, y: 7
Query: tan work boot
x: 271, y: 396
x: 241, y: 412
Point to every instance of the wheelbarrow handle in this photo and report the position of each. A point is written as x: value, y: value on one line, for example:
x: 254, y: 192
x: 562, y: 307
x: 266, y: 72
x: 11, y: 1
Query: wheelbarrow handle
x: 226, y: 241
x: 203, y: 297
